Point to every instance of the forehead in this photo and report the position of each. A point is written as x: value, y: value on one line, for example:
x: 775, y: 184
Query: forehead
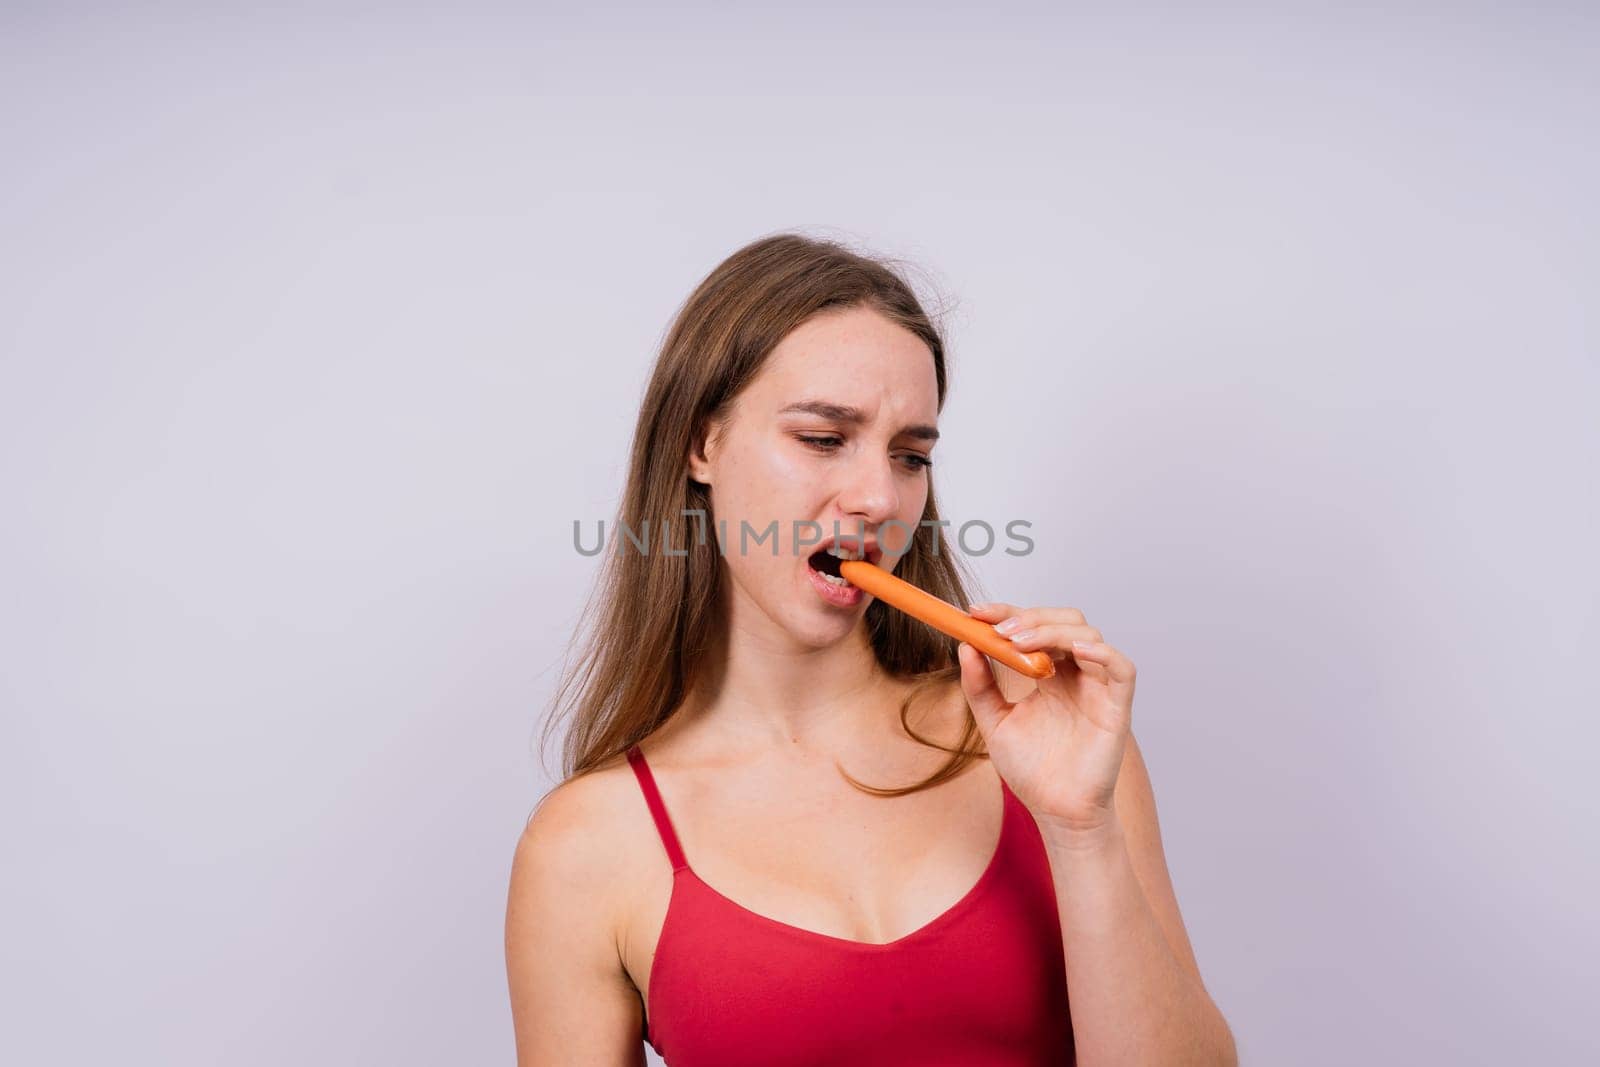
x: 856, y: 357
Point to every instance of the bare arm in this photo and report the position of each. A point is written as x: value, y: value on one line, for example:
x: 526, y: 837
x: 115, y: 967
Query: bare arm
x: 1135, y: 988
x: 571, y: 1002
x: 1132, y: 978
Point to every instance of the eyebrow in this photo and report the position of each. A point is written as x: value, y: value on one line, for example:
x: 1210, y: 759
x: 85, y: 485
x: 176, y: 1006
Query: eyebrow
x: 853, y: 416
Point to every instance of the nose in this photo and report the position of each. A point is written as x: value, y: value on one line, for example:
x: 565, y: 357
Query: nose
x: 870, y: 493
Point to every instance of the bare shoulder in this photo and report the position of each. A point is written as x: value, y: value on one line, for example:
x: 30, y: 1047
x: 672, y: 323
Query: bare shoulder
x: 571, y: 873
x: 572, y: 824
x: 582, y: 841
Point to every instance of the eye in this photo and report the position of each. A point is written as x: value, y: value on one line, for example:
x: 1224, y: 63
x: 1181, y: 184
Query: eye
x: 914, y: 461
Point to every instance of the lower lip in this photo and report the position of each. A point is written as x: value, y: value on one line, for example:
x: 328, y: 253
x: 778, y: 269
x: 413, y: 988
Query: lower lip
x: 840, y: 596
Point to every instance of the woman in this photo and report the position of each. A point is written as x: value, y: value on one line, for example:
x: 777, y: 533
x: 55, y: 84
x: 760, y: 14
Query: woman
x: 716, y: 875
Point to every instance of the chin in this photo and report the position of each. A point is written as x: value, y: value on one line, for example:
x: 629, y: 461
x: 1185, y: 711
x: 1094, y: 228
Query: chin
x: 822, y: 632
x: 813, y: 617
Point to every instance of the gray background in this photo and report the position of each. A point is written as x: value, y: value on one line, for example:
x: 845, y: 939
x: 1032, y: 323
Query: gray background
x: 321, y: 327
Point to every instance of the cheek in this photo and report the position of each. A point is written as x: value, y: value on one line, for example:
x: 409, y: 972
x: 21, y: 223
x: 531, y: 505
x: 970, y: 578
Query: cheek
x: 912, y: 505
x: 767, y: 484
x: 781, y: 466
x: 916, y: 500
x: 760, y: 487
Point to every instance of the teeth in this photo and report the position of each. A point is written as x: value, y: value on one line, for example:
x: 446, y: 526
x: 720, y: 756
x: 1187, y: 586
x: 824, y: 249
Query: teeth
x: 831, y: 580
x: 843, y: 553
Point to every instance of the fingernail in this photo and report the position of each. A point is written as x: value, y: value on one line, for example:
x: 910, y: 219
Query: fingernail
x: 1023, y: 636
x: 985, y: 606
x: 1007, y: 626
x: 1087, y: 646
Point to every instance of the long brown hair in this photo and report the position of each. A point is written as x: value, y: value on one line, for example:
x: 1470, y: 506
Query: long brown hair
x: 652, y: 613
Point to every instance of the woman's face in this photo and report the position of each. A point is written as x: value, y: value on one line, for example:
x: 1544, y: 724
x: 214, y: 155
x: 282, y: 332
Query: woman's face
x: 836, y: 429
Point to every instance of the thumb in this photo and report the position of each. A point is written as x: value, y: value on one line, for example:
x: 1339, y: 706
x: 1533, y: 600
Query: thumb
x: 989, y: 706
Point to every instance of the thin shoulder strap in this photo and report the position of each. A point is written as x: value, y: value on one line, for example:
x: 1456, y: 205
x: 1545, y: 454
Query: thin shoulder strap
x: 658, y: 810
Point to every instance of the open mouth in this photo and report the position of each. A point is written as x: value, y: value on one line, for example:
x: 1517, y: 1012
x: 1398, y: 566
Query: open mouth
x: 827, y: 564
x: 825, y: 560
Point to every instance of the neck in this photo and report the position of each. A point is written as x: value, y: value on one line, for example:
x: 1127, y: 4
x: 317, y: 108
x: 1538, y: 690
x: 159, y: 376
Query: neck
x: 760, y: 688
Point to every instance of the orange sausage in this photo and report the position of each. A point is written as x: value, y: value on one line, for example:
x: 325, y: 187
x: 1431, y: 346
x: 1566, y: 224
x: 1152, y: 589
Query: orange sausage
x: 944, y: 617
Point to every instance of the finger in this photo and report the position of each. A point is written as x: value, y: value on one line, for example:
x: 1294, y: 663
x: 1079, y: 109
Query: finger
x: 989, y: 706
x: 1018, y: 619
x: 991, y: 610
x: 1056, y: 641
x: 1054, y: 638
x: 1121, y: 675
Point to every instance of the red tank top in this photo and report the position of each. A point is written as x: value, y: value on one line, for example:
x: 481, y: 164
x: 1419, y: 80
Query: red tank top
x: 982, y: 985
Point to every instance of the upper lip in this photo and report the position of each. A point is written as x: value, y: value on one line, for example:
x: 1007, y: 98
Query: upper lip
x: 869, y: 547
